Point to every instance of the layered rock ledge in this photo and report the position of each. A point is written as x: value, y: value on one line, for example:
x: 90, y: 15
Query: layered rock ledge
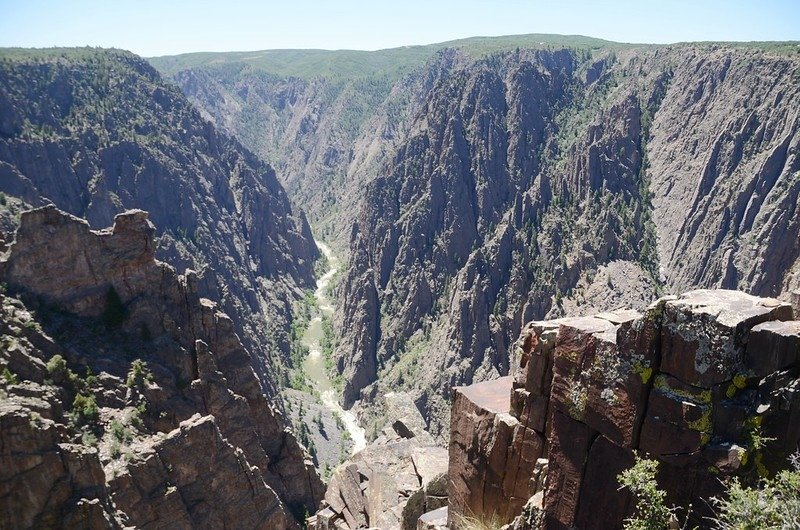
x: 696, y: 381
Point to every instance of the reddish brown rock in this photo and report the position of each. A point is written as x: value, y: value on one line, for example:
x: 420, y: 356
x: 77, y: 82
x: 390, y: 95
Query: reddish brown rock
x: 533, y: 374
x: 779, y: 413
x: 596, y: 382
x: 686, y: 383
x: 492, y: 456
x: 602, y: 505
x: 773, y: 345
x: 678, y: 418
x: 703, y: 333
x: 532, y: 515
x: 569, y: 447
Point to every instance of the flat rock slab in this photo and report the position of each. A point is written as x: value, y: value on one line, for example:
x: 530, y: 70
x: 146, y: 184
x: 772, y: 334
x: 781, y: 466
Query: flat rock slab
x: 619, y: 316
x: 731, y: 308
x: 703, y: 333
x: 433, y: 520
x: 492, y: 396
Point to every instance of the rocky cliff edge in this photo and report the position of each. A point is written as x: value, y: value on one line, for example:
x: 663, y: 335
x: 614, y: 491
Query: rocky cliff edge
x: 706, y: 383
x: 125, y: 398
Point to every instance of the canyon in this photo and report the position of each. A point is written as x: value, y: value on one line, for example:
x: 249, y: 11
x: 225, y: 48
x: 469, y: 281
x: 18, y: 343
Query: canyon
x: 533, y: 258
x: 489, y: 186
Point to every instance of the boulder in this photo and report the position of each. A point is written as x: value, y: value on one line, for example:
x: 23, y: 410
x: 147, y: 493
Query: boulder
x: 391, y: 482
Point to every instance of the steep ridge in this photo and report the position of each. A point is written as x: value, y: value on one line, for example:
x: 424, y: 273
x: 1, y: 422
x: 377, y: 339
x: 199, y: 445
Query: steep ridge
x: 479, y: 224
x: 542, y: 183
x: 324, y: 136
x: 126, y: 398
x: 491, y: 189
x: 329, y: 121
x: 725, y: 191
x: 96, y: 132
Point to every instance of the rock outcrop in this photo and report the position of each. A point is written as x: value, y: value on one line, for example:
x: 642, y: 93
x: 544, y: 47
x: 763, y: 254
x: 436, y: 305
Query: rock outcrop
x: 97, y: 132
x: 127, y: 399
x: 485, y: 443
x: 392, y: 482
x: 698, y: 382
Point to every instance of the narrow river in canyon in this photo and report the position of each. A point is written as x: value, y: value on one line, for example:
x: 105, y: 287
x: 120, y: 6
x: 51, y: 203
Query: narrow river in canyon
x: 314, y: 363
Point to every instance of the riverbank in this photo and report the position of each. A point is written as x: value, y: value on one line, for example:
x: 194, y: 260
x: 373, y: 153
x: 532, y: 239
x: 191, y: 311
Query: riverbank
x: 314, y: 364
x: 330, y: 433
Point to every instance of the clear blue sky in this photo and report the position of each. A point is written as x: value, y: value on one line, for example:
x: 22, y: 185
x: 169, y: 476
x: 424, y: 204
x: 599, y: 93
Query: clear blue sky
x: 163, y: 27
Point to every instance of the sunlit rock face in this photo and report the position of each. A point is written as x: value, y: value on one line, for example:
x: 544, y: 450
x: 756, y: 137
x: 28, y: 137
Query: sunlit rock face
x: 694, y: 381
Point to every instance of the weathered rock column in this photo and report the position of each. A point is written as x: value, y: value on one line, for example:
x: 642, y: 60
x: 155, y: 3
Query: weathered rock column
x: 492, y: 456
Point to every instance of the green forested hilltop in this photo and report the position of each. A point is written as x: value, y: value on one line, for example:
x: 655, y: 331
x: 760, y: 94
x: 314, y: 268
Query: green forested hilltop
x: 84, y: 52
x: 392, y: 62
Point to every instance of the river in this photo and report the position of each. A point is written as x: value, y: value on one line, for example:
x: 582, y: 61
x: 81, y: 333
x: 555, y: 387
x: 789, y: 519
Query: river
x: 314, y: 363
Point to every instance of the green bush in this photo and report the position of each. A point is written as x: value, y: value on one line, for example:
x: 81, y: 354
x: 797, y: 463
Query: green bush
x: 84, y: 410
x: 115, y: 450
x: 90, y: 379
x: 60, y: 373
x: 652, y: 512
x: 774, y: 503
x: 137, y: 415
x: 56, y: 366
x: 9, y: 376
x: 120, y: 432
x: 138, y: 374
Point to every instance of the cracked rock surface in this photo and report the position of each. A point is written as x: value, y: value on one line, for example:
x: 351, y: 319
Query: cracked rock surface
x: 694, y: 381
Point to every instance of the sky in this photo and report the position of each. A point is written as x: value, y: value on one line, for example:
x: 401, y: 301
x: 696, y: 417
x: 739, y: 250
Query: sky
x: 168, y: 27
